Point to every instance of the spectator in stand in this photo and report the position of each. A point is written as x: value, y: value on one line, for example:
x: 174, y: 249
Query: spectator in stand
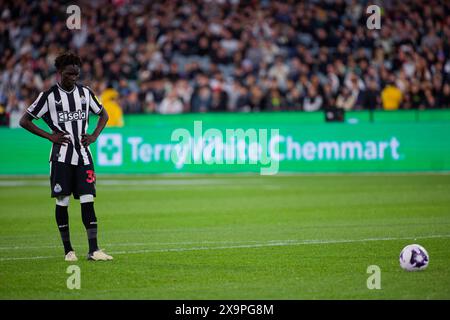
x: 219, y: 99
x: 444, y: 97
x: 4, y: 121
x: 171, y: 103
x: 313, y: 101
x: 109, y: 99
x: 184, y: 91
x: 416, y: 97
x: 391, y: 97
x: 346, y: 100
x: 202, y: 100
x: 242, y: 101
x: 274, y: 100
x: 329, y: 100
x: 430, y: 101
x: 132, y: 104
x: 280, y: 72
x: 371, y: 96
x: 293, y: 99
x: 256, y: 98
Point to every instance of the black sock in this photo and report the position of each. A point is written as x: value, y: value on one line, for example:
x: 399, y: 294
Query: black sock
x: 62, y: 221
x: 90, y: 223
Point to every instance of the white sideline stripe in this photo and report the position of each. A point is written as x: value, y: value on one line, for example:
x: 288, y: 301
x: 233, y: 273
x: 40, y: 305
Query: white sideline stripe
x: 201, y: 179
x: 160, y: 182
x: 130, y: 182
x: 272, y: 243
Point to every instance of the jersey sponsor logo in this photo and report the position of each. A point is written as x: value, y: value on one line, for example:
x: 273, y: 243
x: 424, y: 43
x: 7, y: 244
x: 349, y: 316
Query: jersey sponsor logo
x: 68, y: 116
x: 57, y: 188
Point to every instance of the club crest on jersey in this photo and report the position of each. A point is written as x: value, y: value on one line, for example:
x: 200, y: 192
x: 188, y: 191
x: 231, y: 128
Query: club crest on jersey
x: 68, y: 116
x: 57, y: 188
x: 83, y: 99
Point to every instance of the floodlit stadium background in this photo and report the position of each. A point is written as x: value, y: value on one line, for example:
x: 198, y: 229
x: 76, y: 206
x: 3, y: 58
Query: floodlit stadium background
x: 358, y: 118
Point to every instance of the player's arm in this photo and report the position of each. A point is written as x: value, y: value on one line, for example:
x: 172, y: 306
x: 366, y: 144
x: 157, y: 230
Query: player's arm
x: 87, y: 139
x: 26, y: 122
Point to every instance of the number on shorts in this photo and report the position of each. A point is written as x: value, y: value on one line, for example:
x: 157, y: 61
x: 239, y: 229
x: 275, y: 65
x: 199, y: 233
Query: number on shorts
x: 90, y: 176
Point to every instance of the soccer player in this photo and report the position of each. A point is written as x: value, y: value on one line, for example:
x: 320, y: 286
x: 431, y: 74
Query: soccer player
x: 65, y: 108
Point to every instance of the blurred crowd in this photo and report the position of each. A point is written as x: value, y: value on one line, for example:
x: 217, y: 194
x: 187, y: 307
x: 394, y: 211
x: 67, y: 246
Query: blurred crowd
x: 218, y: 55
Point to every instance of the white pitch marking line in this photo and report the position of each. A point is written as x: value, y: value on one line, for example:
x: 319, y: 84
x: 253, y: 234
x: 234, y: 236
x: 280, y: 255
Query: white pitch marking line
x: 28, y: 258
x: 137, y: 244
x: 134, y: 182
x: 272, y: 243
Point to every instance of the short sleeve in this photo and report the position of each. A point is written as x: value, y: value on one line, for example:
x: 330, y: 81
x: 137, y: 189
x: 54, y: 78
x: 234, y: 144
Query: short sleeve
x: 94, y: 104
x: 39, y: 107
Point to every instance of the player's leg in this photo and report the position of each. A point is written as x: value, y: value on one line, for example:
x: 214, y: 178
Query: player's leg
x: 89, y: 220
x: 85, y: 191
x: 60, y: 181
x: 62, y: 220
x: 90, y: 223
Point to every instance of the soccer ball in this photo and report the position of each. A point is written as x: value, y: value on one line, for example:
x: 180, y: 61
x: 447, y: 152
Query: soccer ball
x: 414, y: 257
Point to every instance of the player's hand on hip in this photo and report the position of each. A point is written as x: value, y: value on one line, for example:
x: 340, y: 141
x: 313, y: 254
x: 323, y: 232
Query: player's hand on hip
x: 87, y: 139
x: 59, y: 138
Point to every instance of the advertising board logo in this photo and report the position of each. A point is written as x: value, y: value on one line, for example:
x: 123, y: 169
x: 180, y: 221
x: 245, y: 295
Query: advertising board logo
x: 109, y: 150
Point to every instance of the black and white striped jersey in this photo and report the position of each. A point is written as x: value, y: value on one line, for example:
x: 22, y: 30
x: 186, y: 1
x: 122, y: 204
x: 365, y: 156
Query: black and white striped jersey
x: 67, y: 112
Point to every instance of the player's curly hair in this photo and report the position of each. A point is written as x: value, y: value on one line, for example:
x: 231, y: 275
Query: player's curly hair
x: 66, y: 59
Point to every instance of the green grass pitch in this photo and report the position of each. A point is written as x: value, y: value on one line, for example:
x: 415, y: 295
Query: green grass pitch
x: 232, y: 237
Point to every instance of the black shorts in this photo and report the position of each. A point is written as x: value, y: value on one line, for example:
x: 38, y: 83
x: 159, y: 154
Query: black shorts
x: 67, y: 179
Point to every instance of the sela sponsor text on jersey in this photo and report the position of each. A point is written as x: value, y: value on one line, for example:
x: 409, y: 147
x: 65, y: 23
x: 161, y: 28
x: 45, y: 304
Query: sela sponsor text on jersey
x: 68, y: 116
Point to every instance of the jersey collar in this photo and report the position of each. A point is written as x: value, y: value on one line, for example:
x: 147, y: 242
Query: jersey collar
x: 61, y: 88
